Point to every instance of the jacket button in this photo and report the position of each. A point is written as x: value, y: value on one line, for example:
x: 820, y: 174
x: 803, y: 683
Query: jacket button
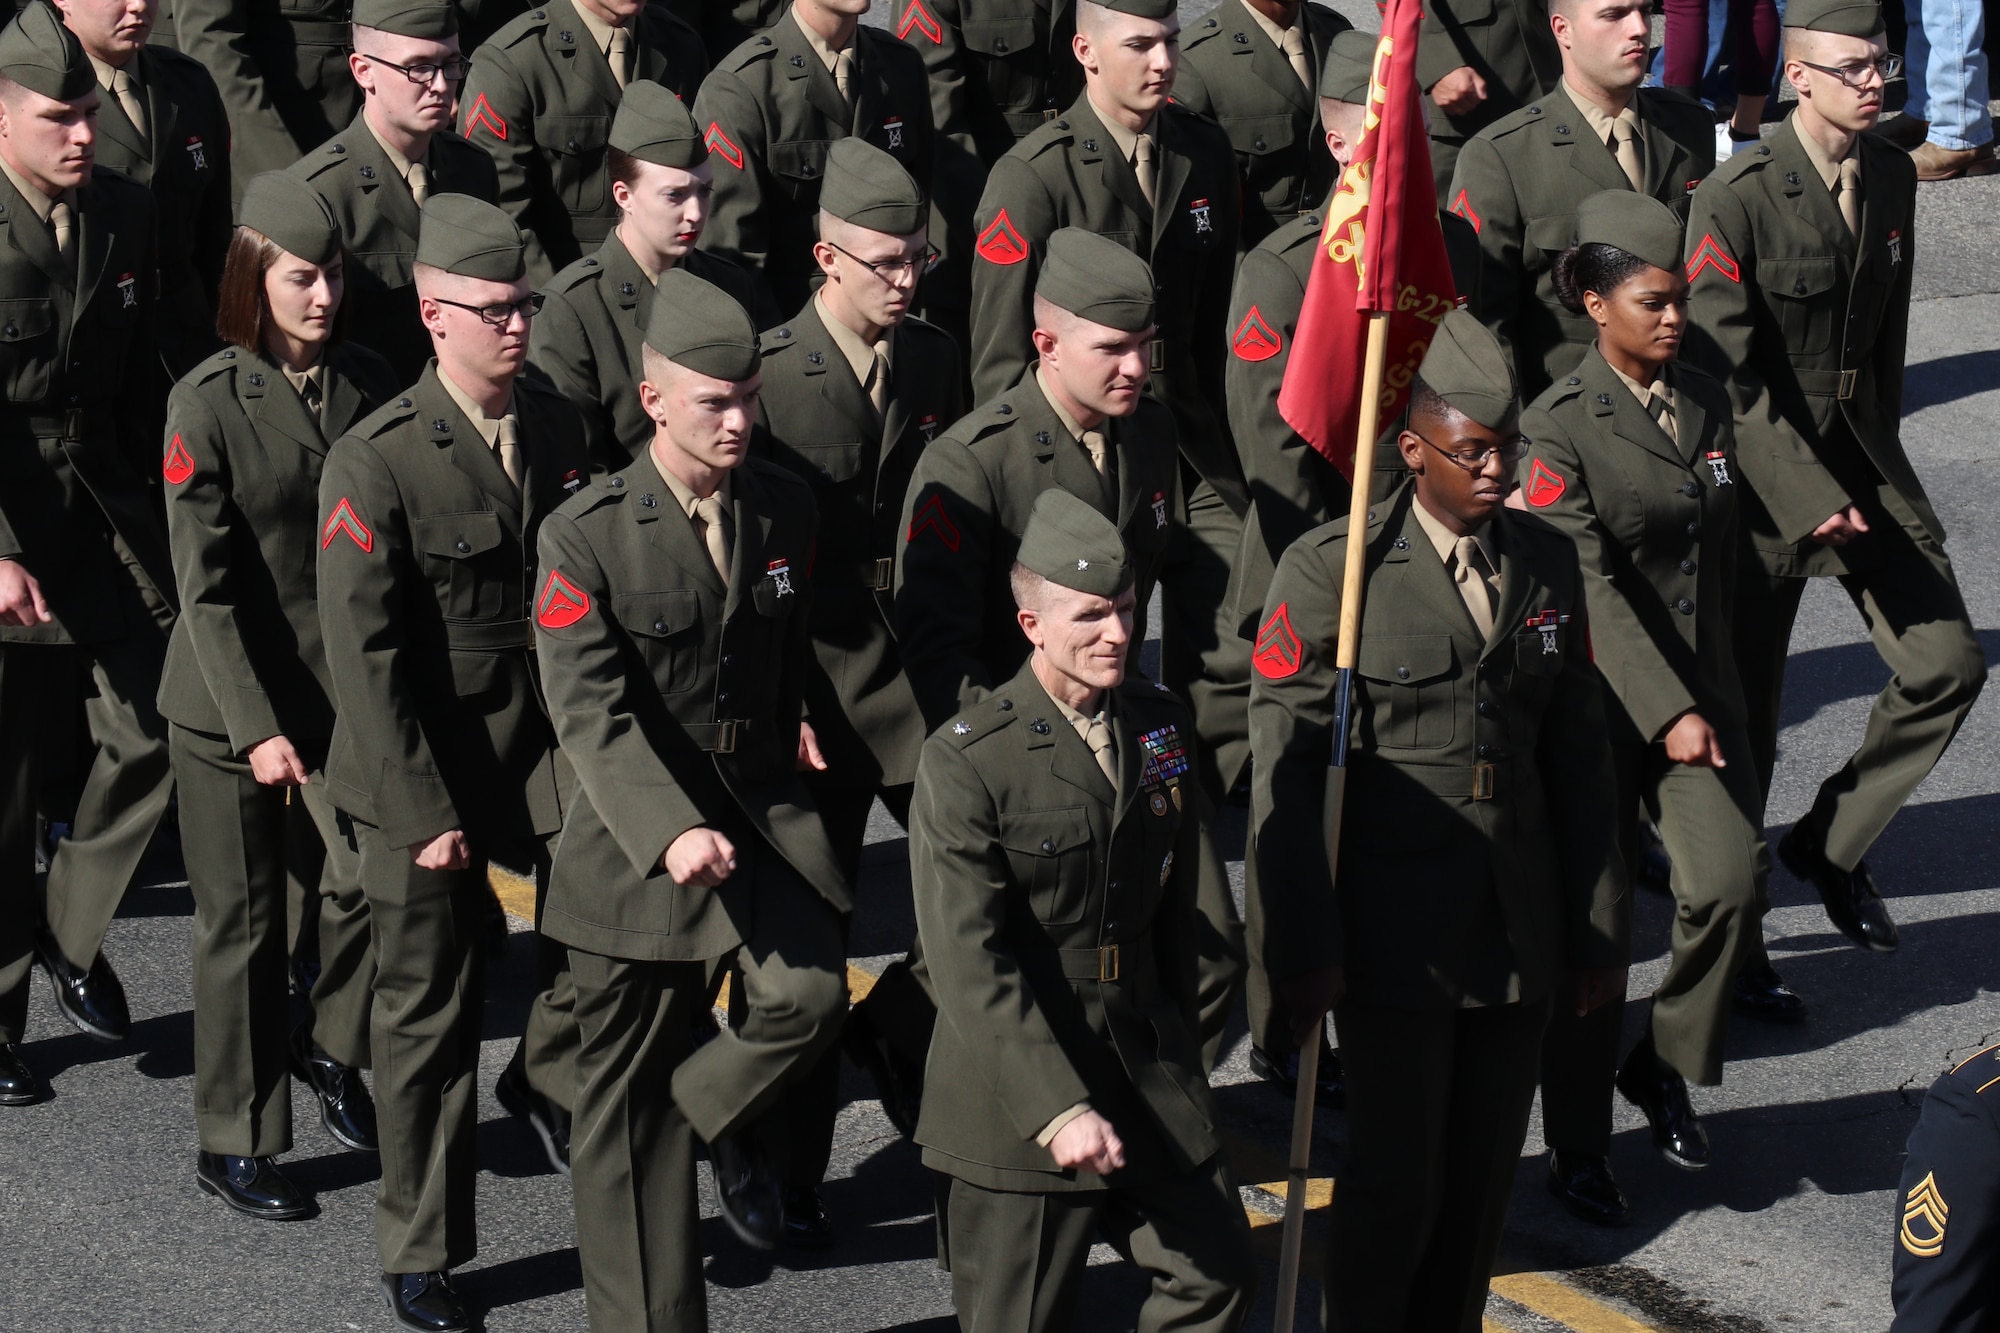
x: 727, y: 659
x: 1048, y: 847
x: 1484, y: 752
x: 572, y: 145
x: 1486, y: 708
x: 1114, y: 886
x: 464, y: 547
x: 1684, y: 606
x: 1690, y: 489
x: 1694, y: 528
x: 1402, y: 673
x: 1687, y: 566
x: 13, y: 332
x: 1259, y: 145
x: 1111, y: 928
x: 660, y: 626
x: 1000, y: 48
x: 1798, y: 289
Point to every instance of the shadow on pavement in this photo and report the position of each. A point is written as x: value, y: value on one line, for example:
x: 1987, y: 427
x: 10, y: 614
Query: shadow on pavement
x: 1948, y: 379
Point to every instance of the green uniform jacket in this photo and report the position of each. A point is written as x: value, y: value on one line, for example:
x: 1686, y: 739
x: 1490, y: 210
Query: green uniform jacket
x: 540, y: 99
x: 770, y: 111
x: 1293, y: 488
x: 1789, y: 310
x: 185, y: 163
x: 426, y: 582
x: 1519, y: 184
x: 587, y: 339
x: 378, y: 226
x: 727, y: 24
x: 962, y: 523
x: 1069, y: 174
x: 246, y: 659
x: 817, y: 423
x: 1507, y: 42
x: 75, y: 508
x: 635, y: 631
x: 1655, y: 527
x: 1038, y: 880
x: 998, y: 69
x: 282, y: 72
x: 1444, y: 900
x: 1231, y: 72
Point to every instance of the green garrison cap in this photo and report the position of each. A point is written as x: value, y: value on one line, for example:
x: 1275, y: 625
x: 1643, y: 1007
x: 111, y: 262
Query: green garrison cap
x: 40, y: 54
x: 1145, y: 9
x: 654, y: 126
x: 1636, y: 223
x: 1468, y: 368
x: 869, y: 188
x: 471, y: 238
x: 291, y: 212
x: 1097, y: 280
x: 1350, y: 64
x: 698, y: 325
x: 1849, y: 18
x: 432, y: 19
x: 1070, y: 543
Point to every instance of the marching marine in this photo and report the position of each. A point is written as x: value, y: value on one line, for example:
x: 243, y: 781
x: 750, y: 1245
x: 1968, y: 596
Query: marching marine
x: 281, y: 66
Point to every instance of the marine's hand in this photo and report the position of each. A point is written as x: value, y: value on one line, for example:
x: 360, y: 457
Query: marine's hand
x: 1598, y: 985
x: 447, y: 851
x: 1842, y: 528
x: 809, y: 754
x: 274, y: 763
x: 1088, y: 1143
x: 1459, y: 91
x: 1692, y: 741
x: 701, y: 857
x: 21, y: 596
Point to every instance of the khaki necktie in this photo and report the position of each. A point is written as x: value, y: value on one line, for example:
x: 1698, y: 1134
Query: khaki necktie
x: 1473, y: 586
x: 1848, y: 189
x: 843, y: 74
x: 1143, y: 167
x: 1625, y: 145
x: 620, y: 56
x: 129, y: 101
x: 878, y: 379
x: 420, y: 183
x: 1094, y: 441
x: 1098, y: 737
x: 1294, y: 47
x: 507, y: 443
x: 713, y: 518
x: 1662, y: 411
x: 309, y: 392
x: 62, y: 222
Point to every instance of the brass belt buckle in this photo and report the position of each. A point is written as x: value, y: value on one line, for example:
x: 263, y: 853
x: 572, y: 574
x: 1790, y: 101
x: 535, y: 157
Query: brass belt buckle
x: 1847, y: 379
x: 1048, y: 113
x: 1159, y: 355
x: 1107, y: 962
x: 725, y: 738
x: 1482, y: 782
x: 885, y: 573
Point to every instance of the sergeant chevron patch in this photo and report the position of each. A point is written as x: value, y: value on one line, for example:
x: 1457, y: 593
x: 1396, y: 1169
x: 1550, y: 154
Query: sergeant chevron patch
x: 1278, y: 652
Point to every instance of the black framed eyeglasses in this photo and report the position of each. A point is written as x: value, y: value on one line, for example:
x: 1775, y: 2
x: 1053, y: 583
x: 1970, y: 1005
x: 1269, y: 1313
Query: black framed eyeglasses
x: 1475, y: 460
x: 497, y: 315
x: 421, y: 75
x: 888, y: 269
x: 1855, y: 75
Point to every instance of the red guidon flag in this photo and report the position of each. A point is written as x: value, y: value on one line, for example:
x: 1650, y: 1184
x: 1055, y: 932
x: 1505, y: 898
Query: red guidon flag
x: 1381, y: 250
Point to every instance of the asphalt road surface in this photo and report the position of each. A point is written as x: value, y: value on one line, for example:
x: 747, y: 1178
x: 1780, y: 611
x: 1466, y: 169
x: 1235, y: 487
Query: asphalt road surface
x: 102, y: 1227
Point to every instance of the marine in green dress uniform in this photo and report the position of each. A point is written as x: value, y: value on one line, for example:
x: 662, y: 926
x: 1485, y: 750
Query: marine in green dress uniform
x: 281, y: 66
x: 1633, y: 456
x: 248, y: 700
x: 1255, y: 66
x: 1053, y: 842
x: 586, y: 340
x: 1477, y: 61
x: 86, y: 583
x: 1800, y: 254
x: 1478, y: 883
x: 378, y: 171
x: 673, y: 626
x: 1518, y: 182
x: 771, y: 109
x: 540, y: 99
x: 442, y: 754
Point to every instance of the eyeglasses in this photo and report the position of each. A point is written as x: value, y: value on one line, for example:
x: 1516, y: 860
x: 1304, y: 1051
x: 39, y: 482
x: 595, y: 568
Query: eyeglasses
x: 498, y: 315
x: 422, y: 75
x: 1855, y: 75
x: 1475, y: 460
x: 890, y: 269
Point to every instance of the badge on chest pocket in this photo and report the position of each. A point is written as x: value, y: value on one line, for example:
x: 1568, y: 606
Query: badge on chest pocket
x: 1718, y: 464
x: 1548, y: 622
x: 1198, y: 210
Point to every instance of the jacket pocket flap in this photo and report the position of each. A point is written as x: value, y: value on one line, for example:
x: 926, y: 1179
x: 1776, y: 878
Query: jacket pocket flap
x: 22, y: 320
x: 1551, y: 233
x: 457, y: 536
x: 1406, y: 660
x: 821, y: 463
x: 799, y: 159
x: 999, y: 37
x: 656, y: 615
x: 1810, y: 276
x: 1045, y: 832
x: 573, y: 134
x: 1259, y: 134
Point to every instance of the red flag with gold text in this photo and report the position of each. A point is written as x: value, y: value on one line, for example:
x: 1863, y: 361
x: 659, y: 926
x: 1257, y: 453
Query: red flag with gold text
x: 1380, y: 250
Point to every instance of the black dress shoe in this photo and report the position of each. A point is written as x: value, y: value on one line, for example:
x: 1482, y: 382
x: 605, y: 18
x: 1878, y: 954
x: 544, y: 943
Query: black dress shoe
x: 1584, y: 1185
x: 806, y: 1224
x: 92, y: 1000
x: 1657, y: 1088
x: 749, y: 1196
x: 549, y: 1121
x: 898, y: 1080
x: 252, y: 1186
x: 1853, y: 902
x: 424, y: 1302
x: 1759, y: 992
x: 17, y: 1082
x: 345, y: 1107
x: 1282, y: 1072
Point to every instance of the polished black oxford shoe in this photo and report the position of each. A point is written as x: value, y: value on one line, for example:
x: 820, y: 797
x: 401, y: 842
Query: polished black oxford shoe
x: 1760, y: 993
x: 1583, y: 1184
x: 17, y: 1082
x: 1657, y: 1088
x: 345, y: 1107
x: 898, y: 1082
x: 90, y: 998
x: 749, y: 1195
x: 806, y: 1224
x: 1853, y: 902
x: 549, y: 1121
x: 252, y: 1186
x: 1282, y: 1073
x: 424, y: 1302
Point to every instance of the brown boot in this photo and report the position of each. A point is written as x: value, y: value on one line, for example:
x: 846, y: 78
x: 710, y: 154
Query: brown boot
x: 1938, y: 163
x: 1906, y: 132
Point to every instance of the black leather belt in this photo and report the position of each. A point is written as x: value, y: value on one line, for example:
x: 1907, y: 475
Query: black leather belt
x: 877, y: 575
x: 75, y: 423
x: 1477, y: 782
x: 489, y: 636
x: 1099, y: 964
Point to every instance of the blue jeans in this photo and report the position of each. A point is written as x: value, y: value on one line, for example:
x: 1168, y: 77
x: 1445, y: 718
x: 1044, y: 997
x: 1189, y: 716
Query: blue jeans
x: 1947, y: 72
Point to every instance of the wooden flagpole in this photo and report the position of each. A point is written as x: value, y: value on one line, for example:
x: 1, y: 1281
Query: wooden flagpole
x: 1297, y: 1173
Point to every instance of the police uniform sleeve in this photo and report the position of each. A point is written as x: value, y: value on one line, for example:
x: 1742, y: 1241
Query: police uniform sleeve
x: 201, y: 530
x: 592, y: 685
x: 941, y: 578
x: 733, y: 125
x: 1482, y: 192
x: 1013, y: 223
x: 1732, y: 337
x: 964, y: 925
x: 499, y: 116
x: 1947, y: 1255
x: 367, y: 568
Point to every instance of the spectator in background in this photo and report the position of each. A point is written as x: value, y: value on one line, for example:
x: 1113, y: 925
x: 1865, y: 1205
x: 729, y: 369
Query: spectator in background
x: 1945, y: 123
x: 1752, y: 30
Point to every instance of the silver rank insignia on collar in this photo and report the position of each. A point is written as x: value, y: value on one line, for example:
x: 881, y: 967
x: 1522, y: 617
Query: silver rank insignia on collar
x: 1548, y: 622
x: 1718, y: 463
x: 781, y: 577
x: 1199, y: 211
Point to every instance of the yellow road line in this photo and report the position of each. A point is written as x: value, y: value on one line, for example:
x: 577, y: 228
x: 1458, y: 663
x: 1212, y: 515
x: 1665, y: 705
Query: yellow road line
x: 516, y: 894
x: 1564, y: 1304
